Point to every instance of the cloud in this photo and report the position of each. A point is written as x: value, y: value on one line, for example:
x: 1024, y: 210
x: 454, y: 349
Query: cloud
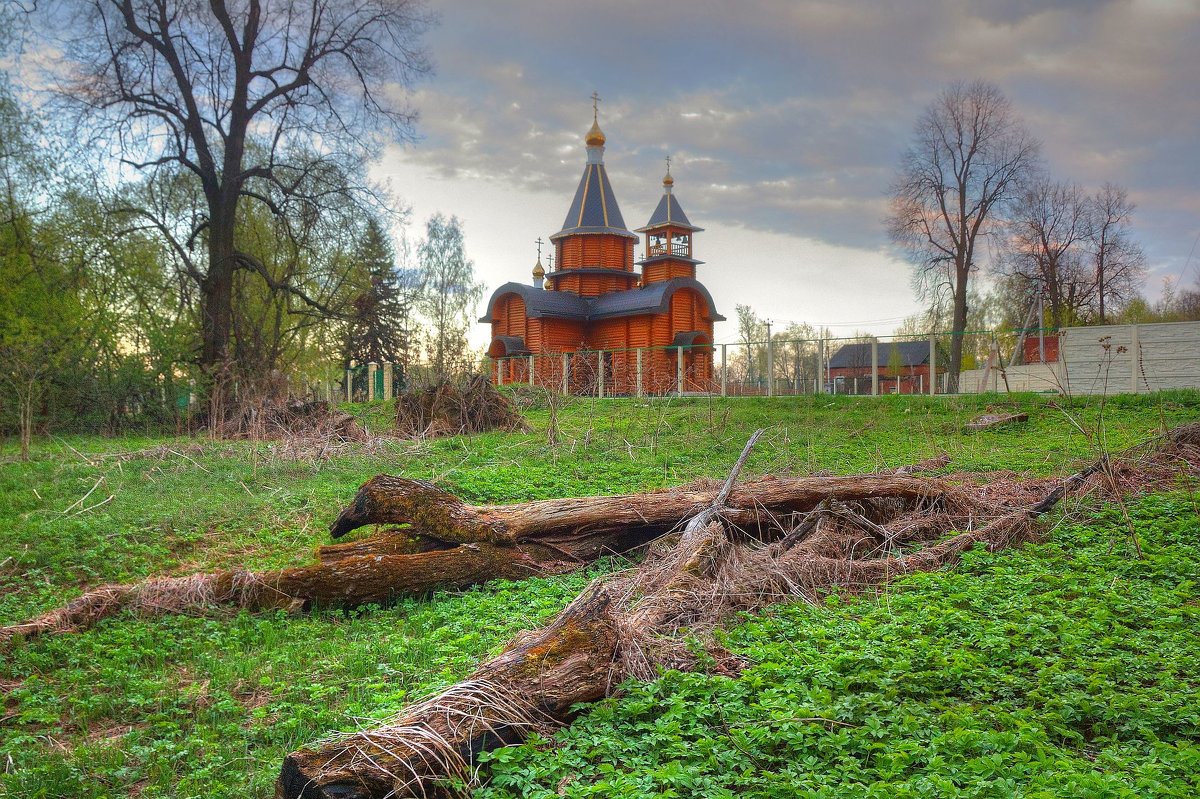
x: 790, y: 117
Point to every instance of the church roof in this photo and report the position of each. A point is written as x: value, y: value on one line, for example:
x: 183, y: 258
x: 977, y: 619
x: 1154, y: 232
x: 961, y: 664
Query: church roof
x: 654, y: 298
x: 594, y: 209
x: 668, y: 212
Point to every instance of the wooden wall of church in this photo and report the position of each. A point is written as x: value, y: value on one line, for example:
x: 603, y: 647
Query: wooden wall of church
x: 508, y: 316
x: 560, y: 335
x: 611, y: 252
x: 665, y: 270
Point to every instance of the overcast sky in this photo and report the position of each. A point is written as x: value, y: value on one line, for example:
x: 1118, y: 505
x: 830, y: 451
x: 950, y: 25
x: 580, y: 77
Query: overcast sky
x: 785, y: 122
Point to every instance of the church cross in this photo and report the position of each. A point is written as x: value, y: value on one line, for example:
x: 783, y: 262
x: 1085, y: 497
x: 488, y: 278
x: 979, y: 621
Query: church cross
x: 539, y: 244
x: 595, y: 106
x: 668, y: 164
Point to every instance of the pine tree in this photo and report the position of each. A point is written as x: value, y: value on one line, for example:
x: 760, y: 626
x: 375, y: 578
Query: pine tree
x: 379, y: 312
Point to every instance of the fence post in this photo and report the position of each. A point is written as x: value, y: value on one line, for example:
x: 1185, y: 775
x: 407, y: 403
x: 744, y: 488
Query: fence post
x: 638, y: 380
x: 932, y: 365
x: 349, y: 385
x: 531, y: 382
x: 387, y: 381
x: 679, y: 371
x: 566, y: 369
x: 819, y: 385
x: 874, y: 368
x: 599, y: 373
x: 724, y: 372
x: 770, y: 367
x: 1135, y: 346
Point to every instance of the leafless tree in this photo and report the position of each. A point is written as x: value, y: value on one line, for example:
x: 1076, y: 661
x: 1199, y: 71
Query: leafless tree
x: 1119, y: 261
x: 970, y: 155
x: 241, y: 94
x: 1043, y: 247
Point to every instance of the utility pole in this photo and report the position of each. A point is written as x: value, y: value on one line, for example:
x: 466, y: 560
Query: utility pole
x: 1041, y: 324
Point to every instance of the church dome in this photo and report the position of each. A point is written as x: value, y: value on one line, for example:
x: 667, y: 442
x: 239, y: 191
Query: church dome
x: 595, y: 136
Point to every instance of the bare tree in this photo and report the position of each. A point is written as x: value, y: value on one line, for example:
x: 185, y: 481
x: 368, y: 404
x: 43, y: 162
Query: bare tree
x: 970, y: 156
x: 1044, y: 248
x: 450, y: 293
x: 1119, y: 261
x: 241, y: 94
x: 753, y: 332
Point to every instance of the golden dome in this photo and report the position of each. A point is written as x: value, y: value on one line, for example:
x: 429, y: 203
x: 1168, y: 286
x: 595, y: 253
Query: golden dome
x: 668, y: 180
x: 538, y: 270
x: 595, y: 136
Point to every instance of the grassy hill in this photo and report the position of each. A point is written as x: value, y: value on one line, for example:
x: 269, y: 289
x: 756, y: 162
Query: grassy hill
x: 1062, y: 669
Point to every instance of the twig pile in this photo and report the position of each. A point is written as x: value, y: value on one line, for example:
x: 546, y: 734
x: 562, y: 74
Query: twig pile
x: 447, y: 409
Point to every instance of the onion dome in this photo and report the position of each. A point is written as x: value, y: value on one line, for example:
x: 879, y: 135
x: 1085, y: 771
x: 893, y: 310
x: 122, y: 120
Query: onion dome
x: 595, y: 137
x: 539, y: 270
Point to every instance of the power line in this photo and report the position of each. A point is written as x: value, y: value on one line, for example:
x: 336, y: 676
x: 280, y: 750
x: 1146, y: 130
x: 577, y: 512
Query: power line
x: 1188, y: 262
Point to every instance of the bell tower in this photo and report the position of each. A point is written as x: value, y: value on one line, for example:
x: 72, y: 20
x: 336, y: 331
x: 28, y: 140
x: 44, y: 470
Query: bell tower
x: 669, y: 239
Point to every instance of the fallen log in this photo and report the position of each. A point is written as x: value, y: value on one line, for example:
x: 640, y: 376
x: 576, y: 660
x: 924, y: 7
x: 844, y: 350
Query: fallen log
x: 447, y: 544
x: 621, y: 626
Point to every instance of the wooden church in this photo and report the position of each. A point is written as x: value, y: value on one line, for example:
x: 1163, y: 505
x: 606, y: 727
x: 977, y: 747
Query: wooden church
x: 608, y: 322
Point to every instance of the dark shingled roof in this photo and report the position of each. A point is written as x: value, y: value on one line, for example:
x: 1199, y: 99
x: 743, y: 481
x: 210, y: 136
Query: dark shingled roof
x: 655, y: 298
x: 853, y: 356
x: 508, y: 346
x: 668, y: 212
x: 539, y: 302
x: 594, y: 209
x: 690, y: 338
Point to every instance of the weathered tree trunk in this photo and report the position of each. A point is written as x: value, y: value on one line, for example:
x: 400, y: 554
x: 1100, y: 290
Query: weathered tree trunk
x: 533, y: 685
x: 438, y: 515
x: 452, y: 545
x: 608, y: 633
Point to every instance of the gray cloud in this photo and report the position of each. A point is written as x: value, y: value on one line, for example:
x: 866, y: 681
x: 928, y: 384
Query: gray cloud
x: 790, y: 117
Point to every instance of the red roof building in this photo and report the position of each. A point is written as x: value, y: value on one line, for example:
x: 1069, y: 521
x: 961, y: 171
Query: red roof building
x: 595, y: 299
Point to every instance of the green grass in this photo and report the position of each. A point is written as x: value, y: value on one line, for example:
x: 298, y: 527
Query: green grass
x: 1066, y: 667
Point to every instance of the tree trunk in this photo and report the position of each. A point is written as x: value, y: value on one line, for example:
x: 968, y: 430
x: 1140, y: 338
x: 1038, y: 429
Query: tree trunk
x: 609, y: 633
x: 450, y: 545
x: 959, y: 326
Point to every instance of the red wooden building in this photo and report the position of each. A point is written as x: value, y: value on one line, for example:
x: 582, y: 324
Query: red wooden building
x: 598, y: 310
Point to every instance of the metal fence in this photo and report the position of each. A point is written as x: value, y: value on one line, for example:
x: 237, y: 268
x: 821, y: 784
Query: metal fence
x: 1114, y: 359
x: 769, y: 369
x: 1079, y: 360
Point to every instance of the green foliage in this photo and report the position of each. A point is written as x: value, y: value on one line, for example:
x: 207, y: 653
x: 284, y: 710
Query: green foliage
x: 981, y: 680
x: 1067, y: 669
x: 449, y: 294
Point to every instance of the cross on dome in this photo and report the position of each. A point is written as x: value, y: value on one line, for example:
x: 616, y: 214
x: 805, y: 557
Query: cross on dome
x: 595, y: 136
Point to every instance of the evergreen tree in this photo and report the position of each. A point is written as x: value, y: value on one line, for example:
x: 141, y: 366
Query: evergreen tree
x: 379, y: 312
